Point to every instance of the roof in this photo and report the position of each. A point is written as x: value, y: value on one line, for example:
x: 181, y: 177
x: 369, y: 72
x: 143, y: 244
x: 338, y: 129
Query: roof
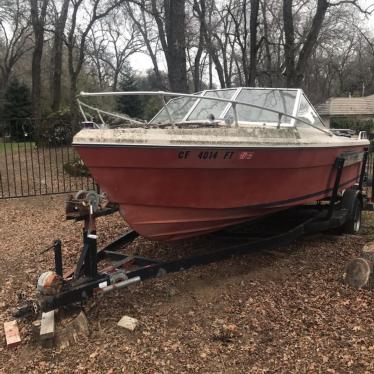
x: 347, y: 106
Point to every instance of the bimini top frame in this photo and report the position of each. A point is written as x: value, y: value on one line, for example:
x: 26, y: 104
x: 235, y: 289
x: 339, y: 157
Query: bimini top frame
x: 232, y: 103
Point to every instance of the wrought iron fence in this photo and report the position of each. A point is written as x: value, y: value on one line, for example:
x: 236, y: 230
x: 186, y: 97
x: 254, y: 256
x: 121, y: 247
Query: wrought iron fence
x: 36, y: 158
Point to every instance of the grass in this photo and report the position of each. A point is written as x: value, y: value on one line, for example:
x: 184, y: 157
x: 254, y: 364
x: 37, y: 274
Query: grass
x: 7, y: 147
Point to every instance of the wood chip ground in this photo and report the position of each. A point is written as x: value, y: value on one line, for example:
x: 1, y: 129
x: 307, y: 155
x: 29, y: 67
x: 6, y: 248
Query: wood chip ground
x: 282, y: 312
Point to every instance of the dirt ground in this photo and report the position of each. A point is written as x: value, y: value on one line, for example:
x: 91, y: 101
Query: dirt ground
x: 280, y: 311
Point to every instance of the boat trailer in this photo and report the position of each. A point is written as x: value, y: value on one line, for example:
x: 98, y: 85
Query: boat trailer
x: 57, y: 289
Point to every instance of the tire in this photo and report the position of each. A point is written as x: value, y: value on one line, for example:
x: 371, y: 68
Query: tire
x: 352, y: 202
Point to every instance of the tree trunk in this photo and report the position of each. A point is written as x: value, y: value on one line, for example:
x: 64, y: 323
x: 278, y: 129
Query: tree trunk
x: 38, y: 21
x: 289, y: 45
x: 218, y: 66
x: 156, y: 69
x: 210, y: 63
x: 73, y: 73
x: 268, y: 64
x: 74, y: 108
x: 115, y: 80
x: 57, y: 56
x: 253, y: 42
x: 176, y: 41
x: 200, y: 8
x: 36, y: 77
x: 295, y: 73
x: 5, y: 75
x: 196, y: 72
x: 310, y: 42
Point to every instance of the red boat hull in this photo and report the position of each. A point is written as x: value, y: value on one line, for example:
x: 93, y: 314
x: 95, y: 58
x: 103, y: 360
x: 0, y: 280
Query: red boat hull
x: 168, y: 193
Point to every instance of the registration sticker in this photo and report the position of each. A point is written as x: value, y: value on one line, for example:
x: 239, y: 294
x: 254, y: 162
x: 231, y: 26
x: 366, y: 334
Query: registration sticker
x: 246, y: 155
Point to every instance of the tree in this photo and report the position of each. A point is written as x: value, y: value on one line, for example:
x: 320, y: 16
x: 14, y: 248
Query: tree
x: 296, y: 59
x: 17, y: 100
x: 201, y: 10
x: 110, y: 46
x: 255, y: 4
x: 195, y: 47
x: 131, y: 105
x: 172, y: 32
x: 14, y: 36
x: 38, y: 17
x: 144, y: 107
x: 17, y: 106
x: 150, y: 37
x: 76, y: 42
x: 57, y: 49
x: 319, y: 45
x: 151, y: 104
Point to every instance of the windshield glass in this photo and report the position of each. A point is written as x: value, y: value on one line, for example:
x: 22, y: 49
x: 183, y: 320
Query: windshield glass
x: 204, y: 110
x: 178, y: 109
x: 275, y: 99
x: 207, y: 109
x: 308, y: 114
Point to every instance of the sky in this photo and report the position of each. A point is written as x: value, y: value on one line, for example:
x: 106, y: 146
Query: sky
x: 141, y: 62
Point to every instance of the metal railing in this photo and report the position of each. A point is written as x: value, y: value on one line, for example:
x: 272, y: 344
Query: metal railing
x: 164, y: 94
x: 36, y: 158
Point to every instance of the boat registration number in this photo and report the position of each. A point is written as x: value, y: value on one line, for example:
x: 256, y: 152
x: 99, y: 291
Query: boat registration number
x: 214, y: 155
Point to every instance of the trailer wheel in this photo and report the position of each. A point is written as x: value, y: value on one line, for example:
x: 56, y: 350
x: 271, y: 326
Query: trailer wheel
x: 352, y: 202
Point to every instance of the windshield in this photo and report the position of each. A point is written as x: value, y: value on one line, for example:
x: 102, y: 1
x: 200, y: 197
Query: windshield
x: 275, y: 99
x: 308, y: 114
x: 177, y: 110
x: 204, y: 110
x: 212, y: 109
x: 286, y: 101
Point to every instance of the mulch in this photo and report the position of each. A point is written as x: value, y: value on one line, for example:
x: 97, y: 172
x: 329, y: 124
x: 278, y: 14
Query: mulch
x: 282, y: 311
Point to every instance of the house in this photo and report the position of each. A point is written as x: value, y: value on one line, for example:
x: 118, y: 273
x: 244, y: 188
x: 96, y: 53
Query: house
x: 353, y: 109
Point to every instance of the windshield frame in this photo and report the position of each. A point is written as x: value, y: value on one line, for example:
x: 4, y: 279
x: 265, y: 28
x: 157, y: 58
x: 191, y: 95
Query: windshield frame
x: 232, y: 103
x: 236, y: 93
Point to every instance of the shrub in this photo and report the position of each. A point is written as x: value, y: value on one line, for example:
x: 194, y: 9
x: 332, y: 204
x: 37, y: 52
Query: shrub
x: 76, y: 168
x: 354, y: 124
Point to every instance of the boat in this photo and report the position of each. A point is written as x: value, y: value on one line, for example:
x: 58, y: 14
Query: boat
x: 213, y: 159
